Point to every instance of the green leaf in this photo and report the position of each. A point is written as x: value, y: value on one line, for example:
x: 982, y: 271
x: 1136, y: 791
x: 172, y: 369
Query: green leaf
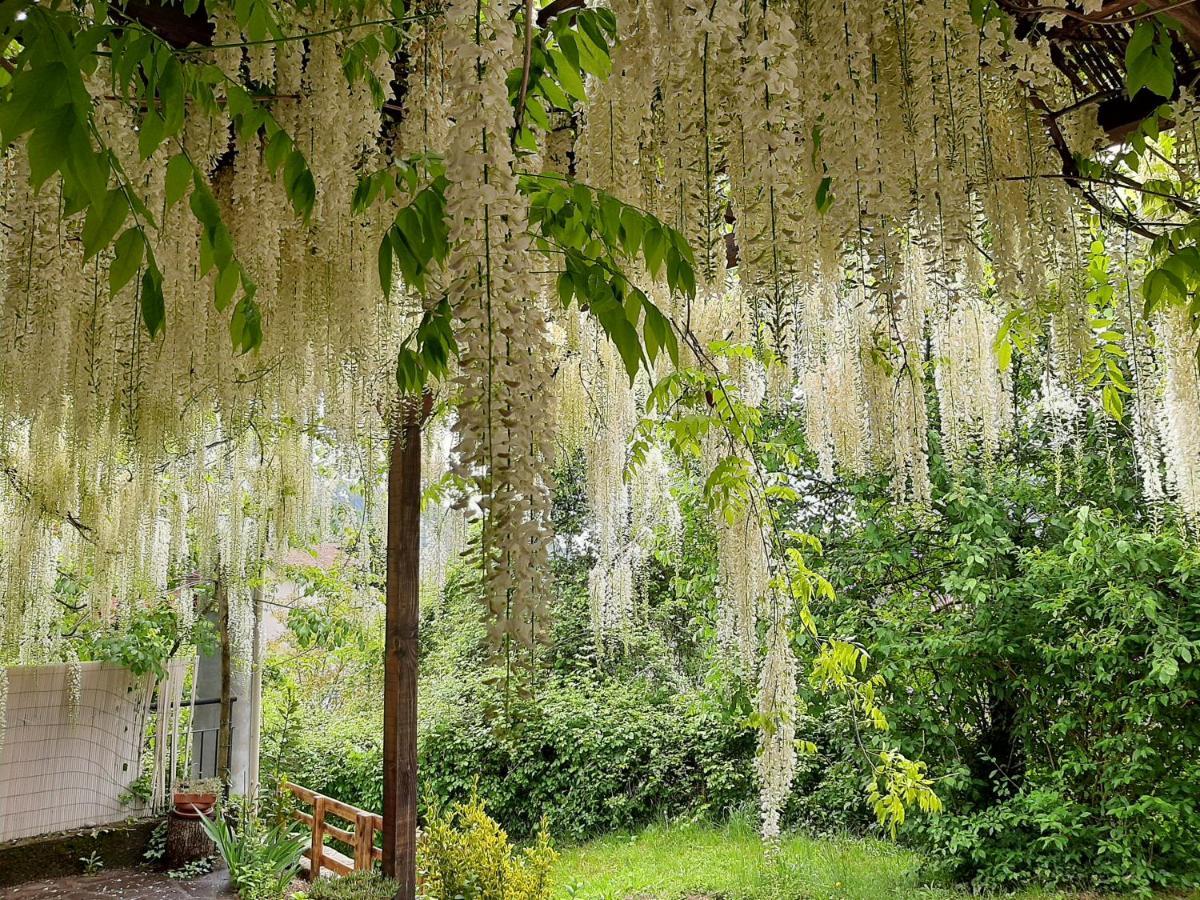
x: 654, y: 246
x: 171, y: 92
x: 301, y: 188
x: 222, y: 246
x: 150, y: 133
x: 1113, y: 404
x: 88, y: 167
x: 632, y: 227
x: 824, y: 197
x: 553, y: 93
x: 227, y: 282
x: 179, y: 175
x: 203, y: 204
x: 103, y: 221
x: 566, y: 288
x: 153, y: 306
x: 278, y: 148
x: 410, y: 374
x: 245, y: 326
x: 1159, y: 73
x: 127, y: 257
x: 612, y: 318
x: 1149, y: 62
x: 1139, y: 42
x: 1162, y: 286
x: 47, y: 147
x: 568, y: 76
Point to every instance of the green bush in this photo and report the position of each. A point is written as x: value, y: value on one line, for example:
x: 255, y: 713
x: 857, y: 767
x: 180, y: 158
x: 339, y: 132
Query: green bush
x: 465, y: 855
x: 596, y: 741
x: 1039, y: 651
x: 355, y: 886
x: 341, y: 759
x: 591, y: 756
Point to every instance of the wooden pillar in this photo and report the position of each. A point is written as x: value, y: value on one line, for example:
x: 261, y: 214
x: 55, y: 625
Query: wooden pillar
x: 225, y: 726
x: 400, y: 651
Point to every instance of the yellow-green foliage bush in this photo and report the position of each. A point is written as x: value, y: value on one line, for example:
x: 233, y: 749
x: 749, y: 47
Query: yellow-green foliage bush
x: 465, y: 855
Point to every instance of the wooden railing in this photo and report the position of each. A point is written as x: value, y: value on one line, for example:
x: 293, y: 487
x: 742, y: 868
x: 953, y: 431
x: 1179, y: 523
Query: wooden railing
x: 362, y: 838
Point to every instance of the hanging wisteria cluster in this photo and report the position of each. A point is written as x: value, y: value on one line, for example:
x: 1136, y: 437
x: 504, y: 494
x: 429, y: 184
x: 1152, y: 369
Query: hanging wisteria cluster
x: 143, y: 461
x: 505, y: 415
x: 871, y: 200
x: 884, y: 183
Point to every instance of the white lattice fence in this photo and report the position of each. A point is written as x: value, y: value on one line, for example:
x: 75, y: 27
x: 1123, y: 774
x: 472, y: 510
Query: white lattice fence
x: 63, y: 765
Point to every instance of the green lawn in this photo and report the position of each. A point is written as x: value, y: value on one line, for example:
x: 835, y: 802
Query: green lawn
x: 697, y: 862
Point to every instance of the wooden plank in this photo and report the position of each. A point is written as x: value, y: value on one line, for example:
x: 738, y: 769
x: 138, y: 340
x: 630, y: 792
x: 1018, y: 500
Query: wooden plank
x: 302, y: 793
x: 303, y: 817
x: 316, y: 855
x: 342, y: 810
x: 339, y: 834
x: 337, y: 862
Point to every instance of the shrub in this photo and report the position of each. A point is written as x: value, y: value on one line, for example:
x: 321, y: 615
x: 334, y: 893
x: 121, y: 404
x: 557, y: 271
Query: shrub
x: 590, y: 756
x: 355, y: 886
x: 465, y: 855
x: 1039, y: 654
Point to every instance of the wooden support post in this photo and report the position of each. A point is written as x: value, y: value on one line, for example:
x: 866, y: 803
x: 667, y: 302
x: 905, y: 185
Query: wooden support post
x: 400, y: 651
x: 364, y: 841
x: 317, y: 849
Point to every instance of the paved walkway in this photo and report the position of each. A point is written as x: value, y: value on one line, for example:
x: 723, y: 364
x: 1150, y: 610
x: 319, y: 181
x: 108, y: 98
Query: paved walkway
x: 131, y: 884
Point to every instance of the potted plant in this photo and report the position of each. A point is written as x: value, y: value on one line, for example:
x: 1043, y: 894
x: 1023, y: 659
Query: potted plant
x: 192, y: 799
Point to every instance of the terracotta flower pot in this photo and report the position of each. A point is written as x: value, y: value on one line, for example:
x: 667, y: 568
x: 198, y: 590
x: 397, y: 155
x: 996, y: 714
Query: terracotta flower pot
x: 191, y: 805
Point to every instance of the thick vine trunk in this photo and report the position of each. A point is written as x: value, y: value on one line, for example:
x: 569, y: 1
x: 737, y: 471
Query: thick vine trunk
x: 400, y: 654
x: 225, y: 726
x: 256, y: 664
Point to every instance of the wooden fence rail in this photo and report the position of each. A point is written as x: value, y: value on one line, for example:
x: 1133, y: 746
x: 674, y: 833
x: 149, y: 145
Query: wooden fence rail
x: 362, y: 838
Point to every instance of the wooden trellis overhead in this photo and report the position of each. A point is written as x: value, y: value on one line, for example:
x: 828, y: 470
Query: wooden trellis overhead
x: 1089, y: 49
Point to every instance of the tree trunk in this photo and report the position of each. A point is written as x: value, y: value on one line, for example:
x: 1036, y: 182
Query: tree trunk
x: 225, y: 726
x: 400, y: 653
x: 256, y: 664
x: 186, y: 841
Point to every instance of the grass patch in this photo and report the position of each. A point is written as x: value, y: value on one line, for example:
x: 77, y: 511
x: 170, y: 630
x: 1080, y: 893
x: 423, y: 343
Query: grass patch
x: 706, y: 862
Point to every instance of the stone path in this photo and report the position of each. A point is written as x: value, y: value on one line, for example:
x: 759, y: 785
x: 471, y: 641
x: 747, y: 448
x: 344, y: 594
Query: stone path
x: 131, y: 884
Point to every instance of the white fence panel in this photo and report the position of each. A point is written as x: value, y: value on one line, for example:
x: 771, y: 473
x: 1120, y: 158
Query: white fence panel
x: 64, y: 765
